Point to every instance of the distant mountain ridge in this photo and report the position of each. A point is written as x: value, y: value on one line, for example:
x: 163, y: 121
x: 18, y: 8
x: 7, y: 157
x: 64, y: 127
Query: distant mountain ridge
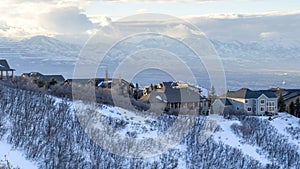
x: 276, y: 57
x: 39, y: 47
x: 49, y: 43
x: 259, y: 56
x: 51, y: 48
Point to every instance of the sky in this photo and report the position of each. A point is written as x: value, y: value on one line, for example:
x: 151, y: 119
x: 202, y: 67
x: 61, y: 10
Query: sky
x: 21, y: 19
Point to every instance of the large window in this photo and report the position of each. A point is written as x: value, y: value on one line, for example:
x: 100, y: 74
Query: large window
x: 262, y: 101
x: 270, y: 106
x: 262, y: 109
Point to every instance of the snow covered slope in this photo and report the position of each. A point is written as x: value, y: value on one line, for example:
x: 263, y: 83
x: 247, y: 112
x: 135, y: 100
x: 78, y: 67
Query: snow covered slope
x: 46, y: 132
x: 15, y: 158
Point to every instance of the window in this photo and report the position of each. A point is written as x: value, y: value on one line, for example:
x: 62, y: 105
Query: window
x: 249, y: 109
x: 262, y: 101
x: 246, y: 101
x: 271, y: 106
x: 262, y: 109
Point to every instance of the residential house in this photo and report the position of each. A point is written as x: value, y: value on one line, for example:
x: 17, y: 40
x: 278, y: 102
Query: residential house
x: 289, y: 95
x: 257, y: 102
x: 47, y: 79
x: 118, y: 85
x: 223, y: 106
x: 177, y: 96
x: 4, y: 67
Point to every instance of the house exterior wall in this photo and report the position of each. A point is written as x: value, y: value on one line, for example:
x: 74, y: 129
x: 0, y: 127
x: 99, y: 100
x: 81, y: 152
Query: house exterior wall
x: 275, y: 101
x: 238, y: 104
x: 250, y: 106
x: 256, y: 106
x: 204, y: 107
x: 263, y: 105
x: 254, y: 102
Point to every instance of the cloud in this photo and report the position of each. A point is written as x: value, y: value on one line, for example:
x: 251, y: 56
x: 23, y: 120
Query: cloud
x: 47, y: 1
x: 65, y: 17
x: 100, y: 20
x: 4, y: 26
x: 141, y: 11
x: 14, y: 31
x: 26, y: 18
x: 269, y: 35
x: 181, y: 31
x: 159, y: 1
x: 66, y: 20
x: 250, y: 27
x: 240, y: 27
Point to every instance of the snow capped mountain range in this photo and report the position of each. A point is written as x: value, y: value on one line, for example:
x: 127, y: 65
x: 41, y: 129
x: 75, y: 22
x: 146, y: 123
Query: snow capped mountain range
x: 42, y: 47
x: 54, y: 49
x: 265, y: 54
x: 271, y: 57
x: 38, y: 47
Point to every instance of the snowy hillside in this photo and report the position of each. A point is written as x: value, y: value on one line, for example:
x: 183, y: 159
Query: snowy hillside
x: 14, y: 158
x: 46, y: 133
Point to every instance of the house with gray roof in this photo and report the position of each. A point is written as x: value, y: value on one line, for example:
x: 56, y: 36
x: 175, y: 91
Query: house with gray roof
x: 177, y: 96
x: 289, y: 95
x: 36, y: 76
x: 4, y: 67
x: 258, y: 102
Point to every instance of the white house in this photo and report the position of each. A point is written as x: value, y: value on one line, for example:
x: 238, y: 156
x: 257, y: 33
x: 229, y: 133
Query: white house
x: 256, y: 102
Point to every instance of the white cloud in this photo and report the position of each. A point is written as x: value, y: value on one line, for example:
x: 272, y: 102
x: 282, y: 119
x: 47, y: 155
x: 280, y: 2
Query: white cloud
x: 181, y: 31
x: 24, y: 18
x: 66, y: 20
x: 164, y: 1
x: 66, y: 17
x: 100, y: 20
x: 3, y: 26
x: 250, y: 27
x: 141, y: 11
x: 269, y: 35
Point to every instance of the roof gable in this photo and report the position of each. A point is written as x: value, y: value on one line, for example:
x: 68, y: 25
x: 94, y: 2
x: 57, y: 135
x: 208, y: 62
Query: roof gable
x: 238, y: 94
x: 175, y: 95
x: 58, y: 78
x: 4, y: 65
x: 291, y: 94
x: 262, y: 96
x: 225, y: 101
x: 245, y: 93
x: 46, y: 78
